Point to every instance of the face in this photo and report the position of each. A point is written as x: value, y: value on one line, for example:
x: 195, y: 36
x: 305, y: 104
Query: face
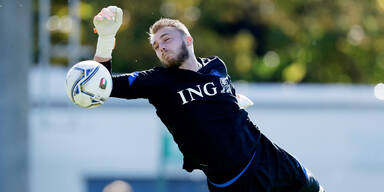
x: 170, y: 47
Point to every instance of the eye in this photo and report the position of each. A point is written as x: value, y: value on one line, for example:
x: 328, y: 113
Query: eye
x: 156, y: 47
x: 165, y: 40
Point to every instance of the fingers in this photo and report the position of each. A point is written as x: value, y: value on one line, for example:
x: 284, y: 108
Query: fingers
x: 107, y: 13
x: 113, y: 8
x: 118, y: 13
x: 104, y: 14
x: 110, y: 13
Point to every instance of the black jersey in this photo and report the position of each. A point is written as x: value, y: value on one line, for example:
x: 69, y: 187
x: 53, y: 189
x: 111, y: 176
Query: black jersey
x: 201, y: 112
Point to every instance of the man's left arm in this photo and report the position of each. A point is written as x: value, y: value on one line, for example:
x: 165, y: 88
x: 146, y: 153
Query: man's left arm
x: 243, y: 101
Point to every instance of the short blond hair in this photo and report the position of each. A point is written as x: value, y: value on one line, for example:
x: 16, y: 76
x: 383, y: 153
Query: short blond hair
x: 166, y: 22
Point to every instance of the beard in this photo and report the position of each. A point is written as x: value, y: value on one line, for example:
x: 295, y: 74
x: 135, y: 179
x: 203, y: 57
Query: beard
x: 176, y: 61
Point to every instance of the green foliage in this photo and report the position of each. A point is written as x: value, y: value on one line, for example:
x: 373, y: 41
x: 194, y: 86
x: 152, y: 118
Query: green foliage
x: 260, y: 40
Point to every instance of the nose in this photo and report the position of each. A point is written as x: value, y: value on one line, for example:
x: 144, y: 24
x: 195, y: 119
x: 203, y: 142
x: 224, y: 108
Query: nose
x: 162, y: 48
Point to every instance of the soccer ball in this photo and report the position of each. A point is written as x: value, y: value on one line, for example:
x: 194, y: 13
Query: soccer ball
x: 89, y: 84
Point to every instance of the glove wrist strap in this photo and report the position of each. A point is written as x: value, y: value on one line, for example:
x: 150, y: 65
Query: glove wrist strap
x: 105, y: 45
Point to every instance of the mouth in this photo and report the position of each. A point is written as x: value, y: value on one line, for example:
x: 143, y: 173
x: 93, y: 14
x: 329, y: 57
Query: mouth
x: 166, y: 56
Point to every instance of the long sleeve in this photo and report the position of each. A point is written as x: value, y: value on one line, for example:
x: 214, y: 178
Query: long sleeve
x: 132, y: 85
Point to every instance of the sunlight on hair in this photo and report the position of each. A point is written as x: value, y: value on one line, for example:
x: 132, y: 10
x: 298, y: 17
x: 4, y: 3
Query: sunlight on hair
x: 379, y: 91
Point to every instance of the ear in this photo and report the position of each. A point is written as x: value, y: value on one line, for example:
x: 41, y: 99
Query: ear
x: 189, y: 40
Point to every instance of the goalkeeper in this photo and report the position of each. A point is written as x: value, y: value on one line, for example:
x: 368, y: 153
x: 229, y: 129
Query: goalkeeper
x: 195, y: 99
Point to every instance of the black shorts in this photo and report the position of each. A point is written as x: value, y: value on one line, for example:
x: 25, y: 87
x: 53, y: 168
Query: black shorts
x: 271, y: 170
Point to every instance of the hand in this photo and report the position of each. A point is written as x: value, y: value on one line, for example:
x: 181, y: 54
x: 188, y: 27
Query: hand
x: 107, y: 23
x: 243, y: 101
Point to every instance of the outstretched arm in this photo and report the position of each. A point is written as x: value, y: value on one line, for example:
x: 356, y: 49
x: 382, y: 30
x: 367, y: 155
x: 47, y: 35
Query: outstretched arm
x: 107, y: 22
x: 129, y: 85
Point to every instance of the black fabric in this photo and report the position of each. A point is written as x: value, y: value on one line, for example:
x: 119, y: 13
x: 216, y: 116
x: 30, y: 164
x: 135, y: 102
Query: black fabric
x: 201, y: 112
x: 273, y: 170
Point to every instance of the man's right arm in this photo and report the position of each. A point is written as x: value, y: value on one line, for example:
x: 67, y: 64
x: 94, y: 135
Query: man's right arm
x: 134, y: 85
x: 122, y: 84
x: 107, y: 63
x: 101, y: 60
x: 107, y: 22
x: 129, y: 85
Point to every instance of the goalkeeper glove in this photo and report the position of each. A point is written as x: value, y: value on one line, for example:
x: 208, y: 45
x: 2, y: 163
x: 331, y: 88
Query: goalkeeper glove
x: 107, y: 23
x: 243, y: 101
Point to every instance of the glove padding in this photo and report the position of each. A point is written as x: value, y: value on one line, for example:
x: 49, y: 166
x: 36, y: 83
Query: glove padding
x: 107, y: 23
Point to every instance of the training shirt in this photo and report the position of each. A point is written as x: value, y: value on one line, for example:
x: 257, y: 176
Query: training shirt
x: 201, y: 112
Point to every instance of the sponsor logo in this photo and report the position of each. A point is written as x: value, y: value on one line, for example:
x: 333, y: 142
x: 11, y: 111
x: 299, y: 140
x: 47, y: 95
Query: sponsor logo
x: 190, y: 94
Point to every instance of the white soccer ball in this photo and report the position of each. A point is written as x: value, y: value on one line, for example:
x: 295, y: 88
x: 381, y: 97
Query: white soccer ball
x: 89, y: 84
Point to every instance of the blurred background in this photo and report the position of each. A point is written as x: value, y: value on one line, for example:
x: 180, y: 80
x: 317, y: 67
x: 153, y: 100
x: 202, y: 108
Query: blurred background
x: 313, y: 68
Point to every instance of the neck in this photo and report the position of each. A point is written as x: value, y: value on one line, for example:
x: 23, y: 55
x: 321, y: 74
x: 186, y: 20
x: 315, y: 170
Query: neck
x: 190, y: 64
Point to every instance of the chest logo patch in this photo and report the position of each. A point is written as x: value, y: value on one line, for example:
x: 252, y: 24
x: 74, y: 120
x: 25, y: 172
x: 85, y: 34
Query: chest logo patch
x: 226, y: 84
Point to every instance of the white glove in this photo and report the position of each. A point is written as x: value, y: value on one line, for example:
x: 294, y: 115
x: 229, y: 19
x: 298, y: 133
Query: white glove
x: 107, y: 23
x: 243, y: 101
